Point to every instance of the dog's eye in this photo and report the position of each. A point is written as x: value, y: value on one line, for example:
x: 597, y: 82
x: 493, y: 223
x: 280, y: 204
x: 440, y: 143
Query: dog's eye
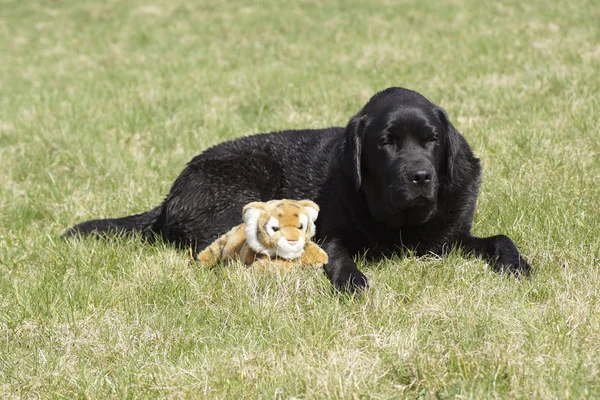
x: 432, y: 139
x: 301, y: 227
x: 384, y: 141
x: 275, y: 228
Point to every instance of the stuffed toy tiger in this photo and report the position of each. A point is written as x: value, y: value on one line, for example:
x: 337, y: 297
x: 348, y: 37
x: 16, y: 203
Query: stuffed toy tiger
x: 275, y: 233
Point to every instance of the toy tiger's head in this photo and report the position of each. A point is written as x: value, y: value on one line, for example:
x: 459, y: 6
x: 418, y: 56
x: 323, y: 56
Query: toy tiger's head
x: 280, y: 227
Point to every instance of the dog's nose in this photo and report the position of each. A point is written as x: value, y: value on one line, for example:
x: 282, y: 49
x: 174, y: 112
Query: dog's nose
x: 420, y: 176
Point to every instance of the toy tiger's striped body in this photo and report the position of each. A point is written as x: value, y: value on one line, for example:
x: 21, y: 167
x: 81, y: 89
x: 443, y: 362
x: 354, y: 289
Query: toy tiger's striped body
x: 274, y: 233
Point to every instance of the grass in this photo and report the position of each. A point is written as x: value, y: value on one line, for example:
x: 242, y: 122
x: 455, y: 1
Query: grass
x: 103, y: 104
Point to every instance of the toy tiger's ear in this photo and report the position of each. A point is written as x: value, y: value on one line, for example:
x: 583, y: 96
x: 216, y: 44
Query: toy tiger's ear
x: 312, y: 209
x: 251, y: 212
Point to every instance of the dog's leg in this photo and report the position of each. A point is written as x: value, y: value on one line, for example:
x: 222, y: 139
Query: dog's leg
x: 500, y: 251
x: 341, y: 269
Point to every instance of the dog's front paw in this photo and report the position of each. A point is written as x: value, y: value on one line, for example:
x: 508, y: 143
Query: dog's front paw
x: 513, y: 265
x: 508, y: 259
x: 351, y: 281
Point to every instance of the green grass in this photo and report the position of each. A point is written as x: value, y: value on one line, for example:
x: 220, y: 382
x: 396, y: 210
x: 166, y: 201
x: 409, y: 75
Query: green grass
x: 103, y: 103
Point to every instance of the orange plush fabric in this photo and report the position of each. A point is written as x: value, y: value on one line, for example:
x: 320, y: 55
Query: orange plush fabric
x: 276, y: 233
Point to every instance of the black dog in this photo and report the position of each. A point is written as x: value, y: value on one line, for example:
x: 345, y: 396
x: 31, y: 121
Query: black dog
x: 399, y: 176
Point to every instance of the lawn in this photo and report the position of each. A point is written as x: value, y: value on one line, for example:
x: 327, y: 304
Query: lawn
x: 103, y: 103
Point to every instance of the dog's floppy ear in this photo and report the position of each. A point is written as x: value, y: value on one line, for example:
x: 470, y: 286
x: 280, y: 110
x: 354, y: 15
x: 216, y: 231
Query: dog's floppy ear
x: 460, y: 161
x: 353, y: 146
x: 453, y: 142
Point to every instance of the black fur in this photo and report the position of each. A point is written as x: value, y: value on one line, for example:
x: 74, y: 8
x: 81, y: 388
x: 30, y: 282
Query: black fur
x: 399, y: 176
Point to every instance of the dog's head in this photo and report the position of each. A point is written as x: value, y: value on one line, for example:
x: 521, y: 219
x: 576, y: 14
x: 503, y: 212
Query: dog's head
x: 401, y: 148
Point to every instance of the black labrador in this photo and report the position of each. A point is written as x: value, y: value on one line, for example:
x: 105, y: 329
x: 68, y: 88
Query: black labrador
x: 398, y: 177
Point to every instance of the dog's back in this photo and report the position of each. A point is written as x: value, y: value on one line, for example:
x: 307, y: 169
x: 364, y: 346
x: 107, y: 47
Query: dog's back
x: 206, y: 199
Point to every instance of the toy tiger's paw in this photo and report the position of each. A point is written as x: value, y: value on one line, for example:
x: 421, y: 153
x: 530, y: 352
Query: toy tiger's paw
x: 314, y: 255
x: 206, y: 258
x: 267, y: 264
